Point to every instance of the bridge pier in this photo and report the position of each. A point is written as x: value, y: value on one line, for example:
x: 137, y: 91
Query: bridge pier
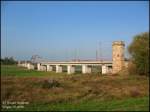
x: 25, y: 65
x: 48, y: 68
x: 86, y: 69
x: 43, y: 68
x: 70, y: 69
x: 38, y: 66
x: 104, y: 69
x: 58, y: 69
x: 29, y: 66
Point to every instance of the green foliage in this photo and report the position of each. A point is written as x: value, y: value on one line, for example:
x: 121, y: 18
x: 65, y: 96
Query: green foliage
x: 8, y: 61
x: 139, y: 50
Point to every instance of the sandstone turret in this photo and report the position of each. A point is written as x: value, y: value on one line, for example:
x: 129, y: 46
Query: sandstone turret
x: 118, y: 56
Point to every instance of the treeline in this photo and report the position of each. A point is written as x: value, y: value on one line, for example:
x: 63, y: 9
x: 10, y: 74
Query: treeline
x: 8, y: 61
x: 139, y: 51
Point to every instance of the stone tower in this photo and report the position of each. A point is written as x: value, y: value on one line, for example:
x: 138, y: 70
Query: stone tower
x: 118, y: 56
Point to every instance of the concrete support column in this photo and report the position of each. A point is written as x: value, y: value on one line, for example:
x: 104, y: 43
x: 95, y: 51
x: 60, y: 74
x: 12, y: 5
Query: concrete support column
x: 104, y: 69
x: 29, y: 66
x: 25, y: 64
x: 48, y: 68
x: 86, y: 69
x: 70, y: 69
x: 38, y: 67
x: 19, y: 64
x: 58, y: 69
x: 43, y: 68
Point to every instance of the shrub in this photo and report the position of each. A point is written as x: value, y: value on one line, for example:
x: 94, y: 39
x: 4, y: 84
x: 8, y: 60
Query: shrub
x: 50, y: 84
x: 132, y: 68
x: 135, y: 92
x: 139, y: 50
x: 8, y: 61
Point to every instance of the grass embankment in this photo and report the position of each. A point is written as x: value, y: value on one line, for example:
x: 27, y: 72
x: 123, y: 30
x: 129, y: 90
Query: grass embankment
x: 53, y: 91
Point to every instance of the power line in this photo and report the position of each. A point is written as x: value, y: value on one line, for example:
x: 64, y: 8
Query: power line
x: 75, y: 54
x: 96, y: 55
x: 100, y: 51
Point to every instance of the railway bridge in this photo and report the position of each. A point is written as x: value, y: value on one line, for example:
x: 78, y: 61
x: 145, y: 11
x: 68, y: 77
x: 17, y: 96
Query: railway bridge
x: 117, y: 64
x: 71, y: 65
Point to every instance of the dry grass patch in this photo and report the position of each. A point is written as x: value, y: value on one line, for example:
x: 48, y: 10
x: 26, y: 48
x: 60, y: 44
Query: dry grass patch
x: 73, y: 88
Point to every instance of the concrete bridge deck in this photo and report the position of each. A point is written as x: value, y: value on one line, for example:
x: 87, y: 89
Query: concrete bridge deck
x: 76, y: 62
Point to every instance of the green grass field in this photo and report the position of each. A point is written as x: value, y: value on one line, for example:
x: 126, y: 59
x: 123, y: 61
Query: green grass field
x: 9, y: 70
x: 76, y: 92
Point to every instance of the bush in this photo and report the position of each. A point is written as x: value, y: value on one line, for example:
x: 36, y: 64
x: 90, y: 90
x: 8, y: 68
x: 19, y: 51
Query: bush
x: 139, y: 50
x: 135, y: 92
x: 8, y: 61
x: 132, y: 68
x: 50, y: 84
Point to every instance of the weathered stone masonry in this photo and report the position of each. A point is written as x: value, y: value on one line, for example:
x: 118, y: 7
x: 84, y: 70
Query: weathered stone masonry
x: 118, y: 56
